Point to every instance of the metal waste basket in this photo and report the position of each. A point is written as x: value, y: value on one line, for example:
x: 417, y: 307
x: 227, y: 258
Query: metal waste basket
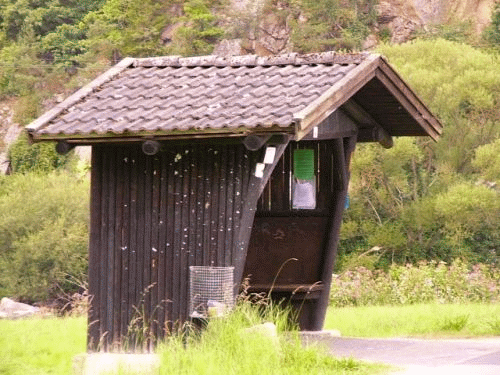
x: 211, y: 291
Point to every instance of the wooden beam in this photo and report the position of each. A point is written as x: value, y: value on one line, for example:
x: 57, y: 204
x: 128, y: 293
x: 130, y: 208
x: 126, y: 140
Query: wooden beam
x: 337, y: 125
x: 344, y: 150
x: 94, y: 316
x: 408, y: 99
x: 370, y: 130
x: 253, y: 192
x: 189, y: 135
x: 376, y: 134
x: 335, y: 96
x: 63, y: 147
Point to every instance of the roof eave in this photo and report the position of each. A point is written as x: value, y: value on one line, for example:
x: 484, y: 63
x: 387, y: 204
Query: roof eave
x: 335, y: 96
x: 95, y: 138
x: 77, y: 96
x: 374, y: 66
x: 408, y: 99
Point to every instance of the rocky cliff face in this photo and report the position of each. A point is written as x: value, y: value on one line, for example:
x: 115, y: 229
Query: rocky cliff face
x: 270, y: 34
x: 9, y: 131
x: 405, y: 17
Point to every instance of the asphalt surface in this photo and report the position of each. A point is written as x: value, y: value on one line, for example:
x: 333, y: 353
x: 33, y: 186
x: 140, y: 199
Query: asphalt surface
x: 416, y: 356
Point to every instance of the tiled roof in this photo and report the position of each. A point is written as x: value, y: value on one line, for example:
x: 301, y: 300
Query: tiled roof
x: 203, y: 95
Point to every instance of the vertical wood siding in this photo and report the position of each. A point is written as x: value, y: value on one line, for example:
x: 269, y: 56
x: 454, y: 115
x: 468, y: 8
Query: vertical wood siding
x: 154, y: 216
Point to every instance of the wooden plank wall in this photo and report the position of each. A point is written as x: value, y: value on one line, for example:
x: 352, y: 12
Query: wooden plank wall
x: 151, y: 218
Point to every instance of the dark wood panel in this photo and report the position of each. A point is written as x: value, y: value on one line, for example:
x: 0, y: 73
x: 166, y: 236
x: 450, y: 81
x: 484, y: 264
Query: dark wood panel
x: 93, y: 333
x: 343, y: 149
x: 276, y: 241
x: 310, y: 236
x: 153, y: 217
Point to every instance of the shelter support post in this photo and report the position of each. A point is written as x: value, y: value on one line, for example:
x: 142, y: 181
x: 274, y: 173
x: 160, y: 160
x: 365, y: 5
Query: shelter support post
x: 344, y: 148
x: 255, y: 189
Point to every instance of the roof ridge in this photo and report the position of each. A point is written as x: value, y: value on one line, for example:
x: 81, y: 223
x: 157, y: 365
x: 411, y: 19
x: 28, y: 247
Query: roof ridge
x: 330, y: 57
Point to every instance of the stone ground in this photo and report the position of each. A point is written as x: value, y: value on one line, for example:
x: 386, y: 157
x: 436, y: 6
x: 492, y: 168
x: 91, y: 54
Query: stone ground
x: 419, y: 356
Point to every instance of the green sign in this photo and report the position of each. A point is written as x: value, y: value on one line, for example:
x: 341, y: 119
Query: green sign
x: 303, y: 164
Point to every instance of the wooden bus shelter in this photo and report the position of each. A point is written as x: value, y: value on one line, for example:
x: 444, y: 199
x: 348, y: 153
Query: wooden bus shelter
x: 228, y: 162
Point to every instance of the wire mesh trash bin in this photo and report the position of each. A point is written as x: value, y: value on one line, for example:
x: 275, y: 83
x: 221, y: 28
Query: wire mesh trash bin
x: 211, y: 291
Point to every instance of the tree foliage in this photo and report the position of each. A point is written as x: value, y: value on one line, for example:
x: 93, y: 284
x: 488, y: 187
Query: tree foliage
x: 198, y: 31
x: 492, y: 33
x: 129, y: 27
x: 43, y: 234
x: 38, y: 157
x: 41, y: 17
x: 418, y: 200
x: 423, y: 200
x: 331, y: 24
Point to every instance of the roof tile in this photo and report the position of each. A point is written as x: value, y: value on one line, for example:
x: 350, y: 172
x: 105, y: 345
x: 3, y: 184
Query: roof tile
x: 166, y: 94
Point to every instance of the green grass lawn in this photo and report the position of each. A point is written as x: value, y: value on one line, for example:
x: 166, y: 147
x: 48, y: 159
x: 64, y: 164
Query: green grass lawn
x: 41, y: 345
x: 421, y: 320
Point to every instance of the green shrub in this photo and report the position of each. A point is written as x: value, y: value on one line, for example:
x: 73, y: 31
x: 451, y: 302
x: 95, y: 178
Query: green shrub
x: 26, y: 109
x: 43, y: 235
x: 38, y: 157
x: 427, y: 282
x: 487, y: 160
x: 454, y: 324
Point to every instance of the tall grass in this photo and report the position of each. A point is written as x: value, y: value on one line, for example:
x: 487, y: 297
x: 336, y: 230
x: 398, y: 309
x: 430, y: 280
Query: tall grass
x: 42, y: 346
x: 230, y: 346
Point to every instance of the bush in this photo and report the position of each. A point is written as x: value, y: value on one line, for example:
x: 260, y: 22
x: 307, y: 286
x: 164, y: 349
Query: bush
x: 39, y: 157
x: 331, y: 24
x: 424, y: 283
x: 43, y: 235
x: 491, y: 34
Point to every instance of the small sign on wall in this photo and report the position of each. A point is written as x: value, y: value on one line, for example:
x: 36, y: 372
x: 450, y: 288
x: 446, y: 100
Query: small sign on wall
x: 304, y: 194
x: 304, y: 180
x: 270, y: 154
x: 259, y: 170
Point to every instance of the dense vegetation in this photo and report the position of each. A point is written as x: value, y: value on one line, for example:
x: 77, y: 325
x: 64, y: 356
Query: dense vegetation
x: 417, y: 201
x: 424, y: 200
x: 43, y: 235
x: 426, y: 282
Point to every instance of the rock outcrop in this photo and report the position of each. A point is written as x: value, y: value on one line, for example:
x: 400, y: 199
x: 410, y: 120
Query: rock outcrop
x: 10, y: 309
x: 9, y: 131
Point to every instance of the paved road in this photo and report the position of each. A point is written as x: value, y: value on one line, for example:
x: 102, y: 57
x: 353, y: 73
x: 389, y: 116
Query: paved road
x: 415, y: 356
